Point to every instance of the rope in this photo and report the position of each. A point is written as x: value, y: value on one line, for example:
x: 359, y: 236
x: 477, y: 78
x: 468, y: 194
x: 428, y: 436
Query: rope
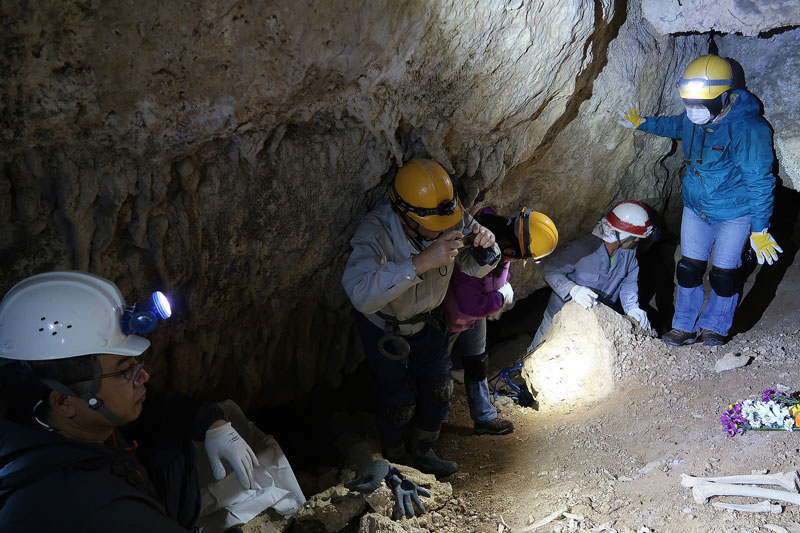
x: 506, y: 375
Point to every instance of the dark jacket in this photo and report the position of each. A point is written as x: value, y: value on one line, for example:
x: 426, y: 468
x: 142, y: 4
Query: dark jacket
x: 52, y: 483
x: 728, y: 162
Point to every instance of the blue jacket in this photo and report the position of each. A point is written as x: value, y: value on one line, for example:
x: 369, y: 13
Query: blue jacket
x: 728, y: 162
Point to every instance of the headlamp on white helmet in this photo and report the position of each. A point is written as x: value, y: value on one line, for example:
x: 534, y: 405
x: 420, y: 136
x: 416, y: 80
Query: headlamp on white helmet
x: 58, y: 315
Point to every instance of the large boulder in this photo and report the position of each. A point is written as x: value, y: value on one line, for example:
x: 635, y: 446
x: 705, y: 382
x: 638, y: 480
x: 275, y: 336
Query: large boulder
x: 574, y: 365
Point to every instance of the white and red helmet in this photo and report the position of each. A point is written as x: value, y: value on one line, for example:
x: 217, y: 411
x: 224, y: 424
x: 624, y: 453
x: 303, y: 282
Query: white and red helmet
x: 628, y: 218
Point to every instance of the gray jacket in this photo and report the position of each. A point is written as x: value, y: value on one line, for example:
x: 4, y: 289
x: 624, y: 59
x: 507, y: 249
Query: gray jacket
x: 380, y: 275
x: 585, y: 262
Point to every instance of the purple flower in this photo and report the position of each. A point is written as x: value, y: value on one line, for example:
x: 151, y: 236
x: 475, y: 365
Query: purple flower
x: 767, y: 395
x: 732, y: 420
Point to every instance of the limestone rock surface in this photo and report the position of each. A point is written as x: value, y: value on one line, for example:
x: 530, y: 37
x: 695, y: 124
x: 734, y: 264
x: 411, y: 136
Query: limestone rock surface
x: 574, y: 366
x: 747, y: 17
x: 225, y: 151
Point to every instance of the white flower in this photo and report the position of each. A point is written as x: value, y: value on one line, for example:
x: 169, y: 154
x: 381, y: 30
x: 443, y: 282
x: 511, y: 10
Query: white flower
x: 769, y: 419
x: 788, y: 424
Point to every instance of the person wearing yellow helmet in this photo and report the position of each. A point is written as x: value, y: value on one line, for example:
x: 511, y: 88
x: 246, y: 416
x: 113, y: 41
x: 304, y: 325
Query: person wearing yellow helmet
x: 727, y: 194
x: 469, y: 301
x: 403, y: 255
x: 599, y: 267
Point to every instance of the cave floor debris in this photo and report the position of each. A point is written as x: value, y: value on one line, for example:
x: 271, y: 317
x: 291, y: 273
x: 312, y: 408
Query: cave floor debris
x: 621, y: 459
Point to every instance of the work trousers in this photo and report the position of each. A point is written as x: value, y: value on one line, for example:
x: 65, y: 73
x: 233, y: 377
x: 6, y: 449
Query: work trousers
x: 698, y: 238
x: 416, y: 391
x: 472, y: 343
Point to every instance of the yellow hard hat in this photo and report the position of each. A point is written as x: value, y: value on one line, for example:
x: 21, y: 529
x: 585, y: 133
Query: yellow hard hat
x: 536, y: 232
x: 705, y: 78
x: 423, y: 191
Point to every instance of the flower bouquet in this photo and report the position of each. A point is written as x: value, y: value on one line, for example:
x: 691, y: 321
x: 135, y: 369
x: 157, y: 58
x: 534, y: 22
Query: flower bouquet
x: 776, y: 411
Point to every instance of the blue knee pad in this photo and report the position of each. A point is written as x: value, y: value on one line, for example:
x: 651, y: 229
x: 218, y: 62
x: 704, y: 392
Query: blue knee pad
x: 723, y: 281
x: 690, y: 272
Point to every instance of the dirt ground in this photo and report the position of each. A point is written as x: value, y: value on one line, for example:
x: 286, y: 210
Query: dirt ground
x: 617, y: 464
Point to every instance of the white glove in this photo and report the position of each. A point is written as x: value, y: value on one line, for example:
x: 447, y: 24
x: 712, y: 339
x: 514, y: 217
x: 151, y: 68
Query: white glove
x: 583, y: 296
x: 640, y: 316
x: 507, y: 292
x: 224, y: 442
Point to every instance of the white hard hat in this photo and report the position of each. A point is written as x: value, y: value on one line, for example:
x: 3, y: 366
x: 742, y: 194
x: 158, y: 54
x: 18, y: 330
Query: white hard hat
x: 628, y: 218
x: 58, y: 315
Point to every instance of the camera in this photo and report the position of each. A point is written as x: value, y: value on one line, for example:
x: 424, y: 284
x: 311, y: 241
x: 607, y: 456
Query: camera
x: 482, y: 256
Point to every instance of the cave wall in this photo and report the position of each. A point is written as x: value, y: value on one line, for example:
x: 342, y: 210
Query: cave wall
x: 225, y: 151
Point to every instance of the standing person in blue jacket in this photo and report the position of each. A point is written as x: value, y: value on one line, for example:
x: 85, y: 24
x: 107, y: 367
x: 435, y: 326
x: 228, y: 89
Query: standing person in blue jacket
x: 727, y: 194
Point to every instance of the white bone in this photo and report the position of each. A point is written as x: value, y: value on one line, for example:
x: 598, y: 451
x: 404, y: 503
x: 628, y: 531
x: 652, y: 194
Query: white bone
x: 787, y: 480
x: 704, y: 490
x: 776, y: 529
x: 540, y: 523
x: 761, y: 507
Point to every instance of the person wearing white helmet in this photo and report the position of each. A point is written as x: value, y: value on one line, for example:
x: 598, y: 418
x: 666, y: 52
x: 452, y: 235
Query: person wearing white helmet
x: 599, y: 267
x: 72, y: 396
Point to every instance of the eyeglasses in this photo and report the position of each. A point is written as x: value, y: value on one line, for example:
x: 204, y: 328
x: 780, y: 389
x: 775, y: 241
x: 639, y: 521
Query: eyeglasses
x: 132, y: 373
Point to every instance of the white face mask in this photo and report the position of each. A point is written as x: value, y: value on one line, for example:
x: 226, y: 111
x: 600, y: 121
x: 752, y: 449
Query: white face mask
x: 698, y: 115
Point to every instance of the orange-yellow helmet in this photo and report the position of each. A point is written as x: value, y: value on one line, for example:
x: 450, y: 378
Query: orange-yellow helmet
x: 536, y: 233
x: 423, y: 191
x: 705, y: 78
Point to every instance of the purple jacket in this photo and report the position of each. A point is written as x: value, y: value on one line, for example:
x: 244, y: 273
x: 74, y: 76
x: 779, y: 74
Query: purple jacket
x: 469, y: 299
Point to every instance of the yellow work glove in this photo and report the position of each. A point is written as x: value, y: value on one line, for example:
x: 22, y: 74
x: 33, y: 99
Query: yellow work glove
x: 630, y: 116
x: 764, y: 246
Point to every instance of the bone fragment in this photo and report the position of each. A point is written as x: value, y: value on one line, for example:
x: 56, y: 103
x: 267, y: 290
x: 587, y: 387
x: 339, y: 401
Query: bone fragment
x: 608, y: 526
x: 704, y: 490
x: 776, y: 529
x: 544, y: 521
x: 761, y: 507
x: 787, y: 480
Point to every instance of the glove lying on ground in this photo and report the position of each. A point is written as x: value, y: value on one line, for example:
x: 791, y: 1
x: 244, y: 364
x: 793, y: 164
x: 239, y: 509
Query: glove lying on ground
x: 630, y: 116
x: 406, y: 494
x: 224, y: 442
x: 639, y: 316
x: 371, y: 479
x: 764, y: 246
x: 583, y: 296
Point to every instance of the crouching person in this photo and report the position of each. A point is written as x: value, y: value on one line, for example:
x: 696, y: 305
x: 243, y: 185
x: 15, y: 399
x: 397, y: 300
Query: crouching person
x: 599, y: 267
x: 470, y: 300
x: 85, y: 443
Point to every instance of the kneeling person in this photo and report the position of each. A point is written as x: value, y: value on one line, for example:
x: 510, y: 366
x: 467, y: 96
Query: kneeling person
x: 599, y: 267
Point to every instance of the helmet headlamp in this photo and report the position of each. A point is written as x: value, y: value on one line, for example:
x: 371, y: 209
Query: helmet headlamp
x: 142, y: 318
x: 444, y: 209
x: 695, y: 84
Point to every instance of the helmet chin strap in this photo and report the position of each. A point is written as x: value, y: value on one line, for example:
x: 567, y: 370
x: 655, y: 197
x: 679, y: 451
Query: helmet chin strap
x: 90, y: 398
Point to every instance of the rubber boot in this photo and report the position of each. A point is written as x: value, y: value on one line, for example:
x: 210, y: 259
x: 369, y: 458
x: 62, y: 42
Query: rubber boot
x: 396, y: 453
x: 425, y: 459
